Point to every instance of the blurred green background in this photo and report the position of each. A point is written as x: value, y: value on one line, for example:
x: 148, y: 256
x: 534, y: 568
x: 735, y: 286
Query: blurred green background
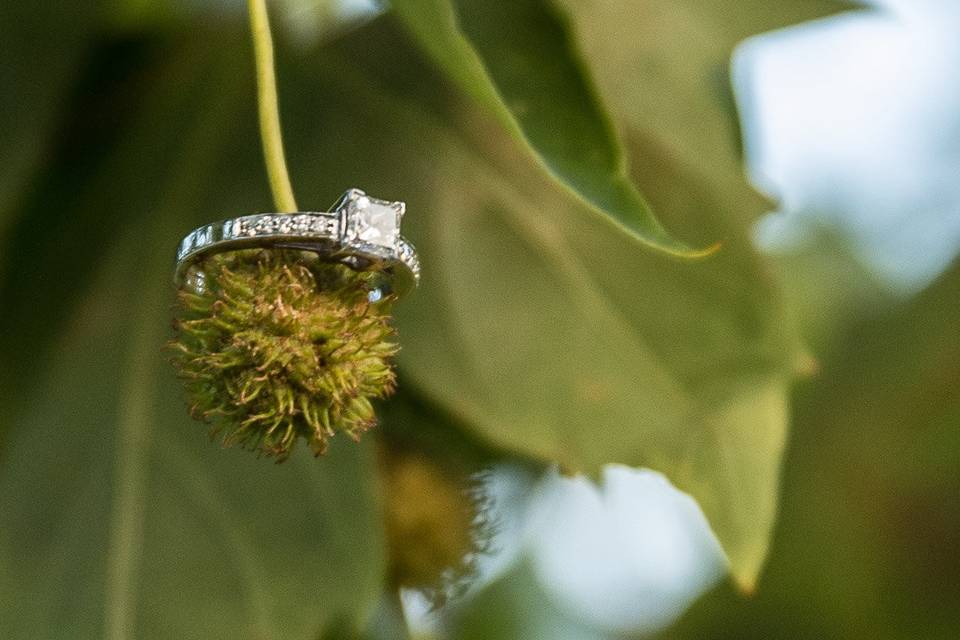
x: 762, y: 443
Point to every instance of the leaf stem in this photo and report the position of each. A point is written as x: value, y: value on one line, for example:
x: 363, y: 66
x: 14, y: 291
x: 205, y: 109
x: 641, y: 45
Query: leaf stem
x: 270, y: 133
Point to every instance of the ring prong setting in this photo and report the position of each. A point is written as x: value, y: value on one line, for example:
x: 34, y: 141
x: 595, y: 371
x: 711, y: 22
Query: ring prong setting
x: 373, y: 222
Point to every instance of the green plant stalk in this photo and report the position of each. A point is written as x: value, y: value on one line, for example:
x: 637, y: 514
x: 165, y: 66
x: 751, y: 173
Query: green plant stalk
x: 269, y: 112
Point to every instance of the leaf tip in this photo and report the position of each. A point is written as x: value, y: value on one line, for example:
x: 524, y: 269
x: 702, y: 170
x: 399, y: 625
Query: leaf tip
x: 746, y: 585
x: 806, y: 365
x: 707, y: 251
x: 696, y: 254
x: 745, y: 568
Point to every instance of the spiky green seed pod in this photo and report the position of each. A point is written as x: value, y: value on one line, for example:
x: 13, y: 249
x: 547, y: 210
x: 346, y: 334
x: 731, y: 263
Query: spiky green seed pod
x: 279, y: 345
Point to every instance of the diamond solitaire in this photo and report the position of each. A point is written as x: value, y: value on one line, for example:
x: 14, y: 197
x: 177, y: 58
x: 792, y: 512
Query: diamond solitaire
x: 360, y: 231
x: 372, y: 221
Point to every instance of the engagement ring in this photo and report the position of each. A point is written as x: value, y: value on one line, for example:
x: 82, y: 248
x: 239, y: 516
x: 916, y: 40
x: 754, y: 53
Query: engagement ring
x: 359, y: 231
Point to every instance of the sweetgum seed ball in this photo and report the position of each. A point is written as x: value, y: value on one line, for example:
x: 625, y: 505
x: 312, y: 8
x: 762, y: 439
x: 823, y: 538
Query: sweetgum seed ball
x: 276, y: 345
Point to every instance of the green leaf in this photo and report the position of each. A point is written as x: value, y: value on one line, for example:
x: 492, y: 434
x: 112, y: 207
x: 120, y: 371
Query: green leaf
x: 571, y: 347
x: 542, y: 328
x: 517, y: 59
x: 869, y: 514
x: 120, y: 518
x: 575, y: 348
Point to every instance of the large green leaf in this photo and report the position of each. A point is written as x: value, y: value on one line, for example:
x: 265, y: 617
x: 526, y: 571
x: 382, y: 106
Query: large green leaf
x: 867, y: 540
x: 548, y: 331
x: 518, y: 60
x: 539, y: 326
x: 120, y: 518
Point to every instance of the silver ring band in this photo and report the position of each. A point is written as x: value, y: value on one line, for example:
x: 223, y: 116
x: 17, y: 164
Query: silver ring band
x: 361, y: 232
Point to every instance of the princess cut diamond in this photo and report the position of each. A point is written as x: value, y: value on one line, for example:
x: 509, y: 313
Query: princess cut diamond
x: 373, y: 221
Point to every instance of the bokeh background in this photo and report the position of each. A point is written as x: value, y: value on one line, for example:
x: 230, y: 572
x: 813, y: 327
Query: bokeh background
x: 125, y: 123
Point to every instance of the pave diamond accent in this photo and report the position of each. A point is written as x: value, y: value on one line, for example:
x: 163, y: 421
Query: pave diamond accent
x: 408, y: 255
x: 324, y: 225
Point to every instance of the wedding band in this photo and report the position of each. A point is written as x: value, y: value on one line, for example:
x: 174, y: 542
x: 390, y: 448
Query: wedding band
x: 359, y: 231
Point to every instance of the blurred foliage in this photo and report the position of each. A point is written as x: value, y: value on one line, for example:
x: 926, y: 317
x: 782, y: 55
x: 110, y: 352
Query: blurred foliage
x: 826, y: 287
x: 517, y: 607
x: 35, y: 78
x: 867, y: 536
x: 541, y: 332
x: 610, y: 353
x: 101, y: 442
x: 430, y: 521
